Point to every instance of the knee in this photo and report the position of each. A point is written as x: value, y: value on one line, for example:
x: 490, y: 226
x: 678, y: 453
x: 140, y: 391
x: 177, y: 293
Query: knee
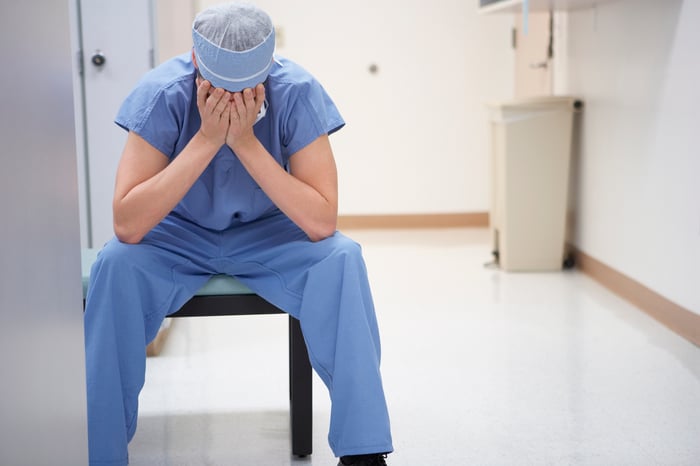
x: 342, y: 246
x: 114, y: 257
x: 344, y: 255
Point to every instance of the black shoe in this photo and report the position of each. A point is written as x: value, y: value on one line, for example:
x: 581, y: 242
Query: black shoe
x: 376, y: 459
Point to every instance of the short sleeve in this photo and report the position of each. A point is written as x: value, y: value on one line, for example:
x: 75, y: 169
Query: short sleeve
x: 311, y: 114
x: 155, y: 114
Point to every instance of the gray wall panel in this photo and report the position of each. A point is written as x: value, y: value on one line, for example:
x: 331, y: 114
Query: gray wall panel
x: 42, y: 381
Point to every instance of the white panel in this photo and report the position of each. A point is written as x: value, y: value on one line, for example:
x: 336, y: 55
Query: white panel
x: 42, y: 381
x: 122, y: 32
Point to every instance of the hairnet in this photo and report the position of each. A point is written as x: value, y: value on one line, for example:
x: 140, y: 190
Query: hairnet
x: 233, y: 45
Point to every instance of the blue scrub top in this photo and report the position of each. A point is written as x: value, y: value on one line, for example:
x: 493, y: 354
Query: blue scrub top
x: 162, y: 109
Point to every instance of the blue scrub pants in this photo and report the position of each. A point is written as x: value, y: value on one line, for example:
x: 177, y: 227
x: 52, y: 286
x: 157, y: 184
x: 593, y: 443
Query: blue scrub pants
x: 133, y: 287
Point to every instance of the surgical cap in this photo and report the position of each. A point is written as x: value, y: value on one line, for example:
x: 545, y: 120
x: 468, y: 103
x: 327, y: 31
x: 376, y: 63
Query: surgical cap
x: 233, y: 45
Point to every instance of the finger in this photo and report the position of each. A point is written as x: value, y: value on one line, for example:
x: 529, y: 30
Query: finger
x: 231, y: 110
x: 238, y: 105
x: 214, y: 99
x: 202, y: 93
x: 259, y: 97
x: 226, y: 112
x: 249, y: 98
x: 259, y: 92
x: 224, y: 101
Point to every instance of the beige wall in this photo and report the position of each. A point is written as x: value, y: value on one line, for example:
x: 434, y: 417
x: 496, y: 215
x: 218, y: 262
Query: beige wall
x: 416, y: 139
x: 173, y: 21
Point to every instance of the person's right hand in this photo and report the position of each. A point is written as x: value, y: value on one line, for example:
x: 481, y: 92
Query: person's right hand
x: 214, y: 106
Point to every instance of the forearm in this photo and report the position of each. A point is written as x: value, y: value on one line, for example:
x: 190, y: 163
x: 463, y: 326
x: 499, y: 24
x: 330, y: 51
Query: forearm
x: 314, y: 213
x: 140, y: 209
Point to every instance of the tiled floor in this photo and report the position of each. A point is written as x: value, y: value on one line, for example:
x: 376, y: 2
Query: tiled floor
x: 481, y: 367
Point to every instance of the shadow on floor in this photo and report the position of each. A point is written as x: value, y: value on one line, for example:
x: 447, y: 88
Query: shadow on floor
x: 222, y: 438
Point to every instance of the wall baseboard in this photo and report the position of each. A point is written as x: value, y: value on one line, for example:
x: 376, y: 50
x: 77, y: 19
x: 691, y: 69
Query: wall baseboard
x: 456, y: 220
x: 677, y: 318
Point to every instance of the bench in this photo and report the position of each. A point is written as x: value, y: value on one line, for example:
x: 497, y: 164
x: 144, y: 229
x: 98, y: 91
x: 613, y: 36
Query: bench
x: 226, y: 296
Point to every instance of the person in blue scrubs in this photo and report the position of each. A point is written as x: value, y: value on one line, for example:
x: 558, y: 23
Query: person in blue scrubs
x: 228, y: 169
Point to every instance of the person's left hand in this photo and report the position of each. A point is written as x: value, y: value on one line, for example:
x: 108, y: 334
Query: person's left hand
x: 244, y: 112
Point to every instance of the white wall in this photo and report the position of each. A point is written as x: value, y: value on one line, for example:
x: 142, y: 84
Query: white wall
x: 416, y: 139
x: 636, y: 65
x: 42, y: 369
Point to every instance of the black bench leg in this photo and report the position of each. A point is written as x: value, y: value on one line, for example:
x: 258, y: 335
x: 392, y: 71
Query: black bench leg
x: 300, y: 391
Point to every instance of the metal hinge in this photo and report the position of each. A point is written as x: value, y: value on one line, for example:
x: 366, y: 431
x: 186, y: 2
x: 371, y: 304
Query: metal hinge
x: 79, y: 58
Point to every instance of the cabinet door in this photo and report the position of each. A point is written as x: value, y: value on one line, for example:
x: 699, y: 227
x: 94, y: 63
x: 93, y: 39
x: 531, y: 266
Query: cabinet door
x: 533, y: 54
